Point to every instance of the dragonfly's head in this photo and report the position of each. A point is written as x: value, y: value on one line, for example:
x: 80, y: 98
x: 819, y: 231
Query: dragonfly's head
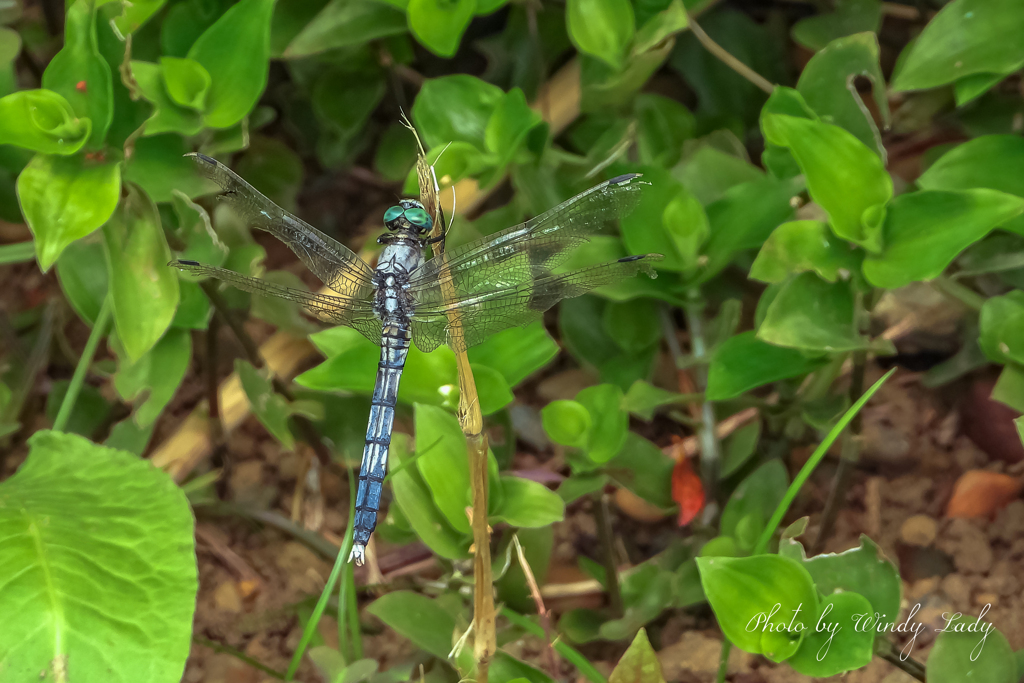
x: 408, y: 215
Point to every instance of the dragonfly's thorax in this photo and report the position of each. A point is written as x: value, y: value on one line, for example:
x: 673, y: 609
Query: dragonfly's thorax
x: 396, y: 263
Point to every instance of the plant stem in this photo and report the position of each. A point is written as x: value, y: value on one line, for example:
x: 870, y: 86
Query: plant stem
x: 78, y: 379
x: 910, y: 666
x: 20, y: 252
x: 730, y: 61
x: 954, y: 290
x: 723, y: 660
x: 561, y: 647
x: 227, y: 649
x: 611, y: 571
x: 347, y: 606
x: 709, y: 447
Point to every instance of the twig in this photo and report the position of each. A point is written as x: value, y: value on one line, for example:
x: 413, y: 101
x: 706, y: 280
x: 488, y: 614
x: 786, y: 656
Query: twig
x: 249, y: 581
x: 238, y: 654
x: 542, y: 611
x: 730, y: 61
x: 887, y: 651
x: 604, y: 534
x: 78, y: 379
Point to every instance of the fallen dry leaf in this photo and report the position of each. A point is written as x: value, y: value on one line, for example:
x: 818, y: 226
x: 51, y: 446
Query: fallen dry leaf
x: 687, y: 490
x: 980, y: 493
x: 636, y: 507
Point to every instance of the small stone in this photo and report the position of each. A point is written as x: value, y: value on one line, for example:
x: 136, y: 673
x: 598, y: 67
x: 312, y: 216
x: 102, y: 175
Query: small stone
x: 246, y: 480
x: 956, y: 587
x: 982, y: 599
x: 923, y: 587
x: 226, y: 597
x: 919, y: 530
x: 1009, y: 523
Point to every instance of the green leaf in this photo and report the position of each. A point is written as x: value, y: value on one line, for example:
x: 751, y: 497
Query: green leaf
x: 579, y: 485
x: 609, y: 422
x: 1009, y: 388
x: 966, y: 37
x: 756, y: 498
x: 136, y: 14
x: 187, y: 82
x: 168, y: 117
x: 516, y: 353
x: 801, y: 246
x: 926, y: 230
x: 864, y: 570
x: 64, y: 199
x: 669, y: 221
x: 970, y: 88
x: 764, y: 604
x: 846, y: 178
x: 42, y: 121
x: 708, y: 172
x: 273, y: 168
x: 144, y: 290
x: 639, y: 664
x: 528, y: 504
x: 235, y: 52
x: 10, y: 48
x: 827, y: 85
x: 343, y: 23
x: 396, y: 152
x: 968, y: 648
x: 417, y: 505
x: 80, y: 74
x: 739, y: 447
x: 136, y: 592
x: 439, y: 24
x: 660, y: 28
x: 634, y: 325
x: 643, y: 399
x: 344, y: 101
x: 1002, y: 327
x: 152, y: 380
x: 269, y: 407
x: 492, y: 389
x: 90, y: 411
x: 508, y: 128
x: 455, y: 108
x: 82, y: 271
x: 663, y: 125
x: 159, y: 165
x: 811, y: 314
x: 835, y: 646
x: 744, y: 218
x: 441, y: 447
x: 642, y: 468
x: 566, y: 422
x: 851, y: 16
x: 995, y: 162
x: 601, y: 28
x: 420, y: 619
x: 744, y: 362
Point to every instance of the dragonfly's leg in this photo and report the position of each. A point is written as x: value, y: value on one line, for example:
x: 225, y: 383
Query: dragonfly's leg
x: 378, y: 437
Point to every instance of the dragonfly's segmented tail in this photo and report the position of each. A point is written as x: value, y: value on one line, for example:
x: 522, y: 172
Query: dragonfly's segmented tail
x: 394, y: 349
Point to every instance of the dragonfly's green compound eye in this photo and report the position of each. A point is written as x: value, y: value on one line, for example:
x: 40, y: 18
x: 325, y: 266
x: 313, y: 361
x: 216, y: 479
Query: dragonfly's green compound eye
x: 394, y: 213
x: 419, y: 218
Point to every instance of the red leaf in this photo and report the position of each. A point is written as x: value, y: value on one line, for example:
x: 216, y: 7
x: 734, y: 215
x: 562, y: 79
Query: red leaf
x: 687, y: 491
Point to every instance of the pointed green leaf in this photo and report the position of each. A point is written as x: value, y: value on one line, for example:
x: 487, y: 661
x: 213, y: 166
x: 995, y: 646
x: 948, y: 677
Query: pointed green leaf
x: 846, y: 178
x: 925, y: 231
x: 187, y: 82
x: 64, y: 199
x: 801, y: 246
x: 864, y: 570
x: 1002, y: 327
x: 441, y: 447
x: 82, y: 271
x: 516, y: 353
x: 155, y: 377
x: 455, y: 108
x: 851, y: 16
x: 966, y: 37
x: 105, y: 542
x: 420, y: 619
x: 601, y: 28
x: 609, y: 421
x: 439, y: 24
x: 811, y: 314
x: 970, y: 649
x: 80, y: 74
x: 342, y: 23
x: 168, y: 116
x: 639, y: 664
x: 269, y: 407
x: 42, y: 121
x: 235, y: 52
x: 528, y: 504
x: 835, y: 646
x: 744, y: 362
x: 144, y: 290
x: 566, y: 422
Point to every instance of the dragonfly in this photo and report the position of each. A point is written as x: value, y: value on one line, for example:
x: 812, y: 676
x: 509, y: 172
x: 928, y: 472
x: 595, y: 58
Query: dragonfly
x: 460, y: 298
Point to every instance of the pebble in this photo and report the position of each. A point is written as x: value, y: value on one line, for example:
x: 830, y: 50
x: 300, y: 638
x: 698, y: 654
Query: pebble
x: 957, y: 589
x: 919, y: 530
x: 226, y: 597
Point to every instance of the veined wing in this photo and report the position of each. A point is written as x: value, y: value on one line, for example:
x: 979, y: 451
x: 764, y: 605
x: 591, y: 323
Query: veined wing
x: 340, y: 310
x: 336, y: 265
x: 524, y: 252
x: 484, y: 313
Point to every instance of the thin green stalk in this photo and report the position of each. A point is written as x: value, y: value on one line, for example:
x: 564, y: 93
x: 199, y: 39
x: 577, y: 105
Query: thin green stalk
x: 812, y: 462
x: 604, y: 533
x: 954, y: 290
x: 78, y: 379
x: 710, y: 451
x: 321, y: 604
x: 22, y: 252
x: 347, y: 605
x: 561, y: 647
x: 723, y: 661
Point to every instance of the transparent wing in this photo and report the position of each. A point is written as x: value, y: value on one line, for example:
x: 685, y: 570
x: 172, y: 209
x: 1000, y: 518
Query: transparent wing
x: 532, y: 249
x: 482, y: 314
x: 355, y: 313
x: 336, y: 265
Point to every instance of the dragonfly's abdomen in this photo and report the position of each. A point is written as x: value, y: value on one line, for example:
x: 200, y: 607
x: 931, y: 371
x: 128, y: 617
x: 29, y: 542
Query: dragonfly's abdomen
x: 393, y: 352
